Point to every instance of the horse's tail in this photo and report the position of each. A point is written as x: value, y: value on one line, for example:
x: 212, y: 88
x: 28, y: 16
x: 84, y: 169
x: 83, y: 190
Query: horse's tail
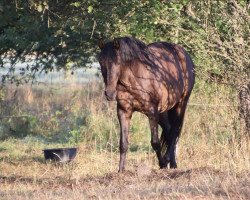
x: 164, y: 143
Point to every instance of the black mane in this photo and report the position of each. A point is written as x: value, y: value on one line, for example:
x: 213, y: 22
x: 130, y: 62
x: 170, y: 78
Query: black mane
x: 129, y: 50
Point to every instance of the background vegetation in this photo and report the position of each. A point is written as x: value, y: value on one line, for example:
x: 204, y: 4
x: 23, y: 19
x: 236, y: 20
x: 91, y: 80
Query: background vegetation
x: 46, y: 36
x: 49, y: 35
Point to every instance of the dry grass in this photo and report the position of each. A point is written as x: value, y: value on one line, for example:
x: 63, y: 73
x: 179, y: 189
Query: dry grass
x: 213, y: 149
x: 93, y: 176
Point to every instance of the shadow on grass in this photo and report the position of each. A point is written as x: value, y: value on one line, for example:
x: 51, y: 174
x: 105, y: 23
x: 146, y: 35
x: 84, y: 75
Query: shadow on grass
x: 114, y: 177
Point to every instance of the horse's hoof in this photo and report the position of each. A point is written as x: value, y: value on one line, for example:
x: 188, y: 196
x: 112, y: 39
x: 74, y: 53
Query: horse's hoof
x: 121, y: 171
x: 173, y: 165
x: 163, y: 165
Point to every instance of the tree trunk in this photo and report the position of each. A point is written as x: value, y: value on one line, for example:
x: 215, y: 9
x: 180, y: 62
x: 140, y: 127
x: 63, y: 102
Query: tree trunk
x: 244, y: 98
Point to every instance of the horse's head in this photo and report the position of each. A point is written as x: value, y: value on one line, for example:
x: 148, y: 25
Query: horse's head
x: 110, y: 67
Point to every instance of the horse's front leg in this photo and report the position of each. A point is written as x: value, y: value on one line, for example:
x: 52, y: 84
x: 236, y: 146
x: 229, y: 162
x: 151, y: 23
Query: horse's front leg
x: 124, y: 120
x: 155, y: 141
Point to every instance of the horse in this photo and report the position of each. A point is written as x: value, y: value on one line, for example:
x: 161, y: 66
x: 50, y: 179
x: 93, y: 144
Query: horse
x: 154, y: 79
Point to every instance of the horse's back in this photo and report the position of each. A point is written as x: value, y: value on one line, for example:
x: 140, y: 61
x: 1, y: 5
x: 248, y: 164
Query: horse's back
x: 176, y: 57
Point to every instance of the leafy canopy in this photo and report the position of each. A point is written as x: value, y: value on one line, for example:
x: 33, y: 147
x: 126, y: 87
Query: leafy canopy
x: 49, y: 35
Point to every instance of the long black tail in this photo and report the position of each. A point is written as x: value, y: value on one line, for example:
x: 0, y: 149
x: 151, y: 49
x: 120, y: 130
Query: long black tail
x: 164, y: 143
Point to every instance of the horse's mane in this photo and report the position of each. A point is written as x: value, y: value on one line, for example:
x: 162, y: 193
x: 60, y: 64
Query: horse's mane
x: 129, y: 49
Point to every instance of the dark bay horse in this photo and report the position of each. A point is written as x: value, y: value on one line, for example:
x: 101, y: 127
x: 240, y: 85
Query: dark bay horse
x: 155, y: 79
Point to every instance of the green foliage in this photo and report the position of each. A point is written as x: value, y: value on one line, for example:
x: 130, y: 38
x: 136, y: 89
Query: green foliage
x: 63, y: 34
x: 19, y: 127
x: 74, y: 136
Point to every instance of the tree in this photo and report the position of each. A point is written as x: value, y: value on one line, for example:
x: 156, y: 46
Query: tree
x: 52, y: 34
x: 63, y: 34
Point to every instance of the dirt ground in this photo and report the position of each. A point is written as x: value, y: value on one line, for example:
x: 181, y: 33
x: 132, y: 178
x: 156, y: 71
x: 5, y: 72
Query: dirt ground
x: 143, y: 183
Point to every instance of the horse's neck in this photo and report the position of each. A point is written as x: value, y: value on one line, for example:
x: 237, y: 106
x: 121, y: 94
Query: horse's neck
x: 132, y: 75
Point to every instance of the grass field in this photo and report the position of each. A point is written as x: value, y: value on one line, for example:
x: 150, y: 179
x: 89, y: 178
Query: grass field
x: 213, y: 153
x: 25, y: 175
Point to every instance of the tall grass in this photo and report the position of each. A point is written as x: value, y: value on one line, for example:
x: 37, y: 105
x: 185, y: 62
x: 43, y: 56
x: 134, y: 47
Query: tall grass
x: 213, y: 153
x: 78, y: 114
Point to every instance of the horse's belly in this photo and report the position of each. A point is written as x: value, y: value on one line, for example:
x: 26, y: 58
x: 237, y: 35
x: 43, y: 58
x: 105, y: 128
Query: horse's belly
x: 161, y: 97
x: 168, y: 98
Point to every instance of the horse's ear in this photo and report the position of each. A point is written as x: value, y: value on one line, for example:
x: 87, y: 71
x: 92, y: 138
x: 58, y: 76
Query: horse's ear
x: 101, y: 43
x: 116, y: 43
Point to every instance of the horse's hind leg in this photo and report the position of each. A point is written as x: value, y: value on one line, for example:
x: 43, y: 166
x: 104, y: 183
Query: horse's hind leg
x: 165, y: 125
x: 155, y: 141
x: 176, y: 118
